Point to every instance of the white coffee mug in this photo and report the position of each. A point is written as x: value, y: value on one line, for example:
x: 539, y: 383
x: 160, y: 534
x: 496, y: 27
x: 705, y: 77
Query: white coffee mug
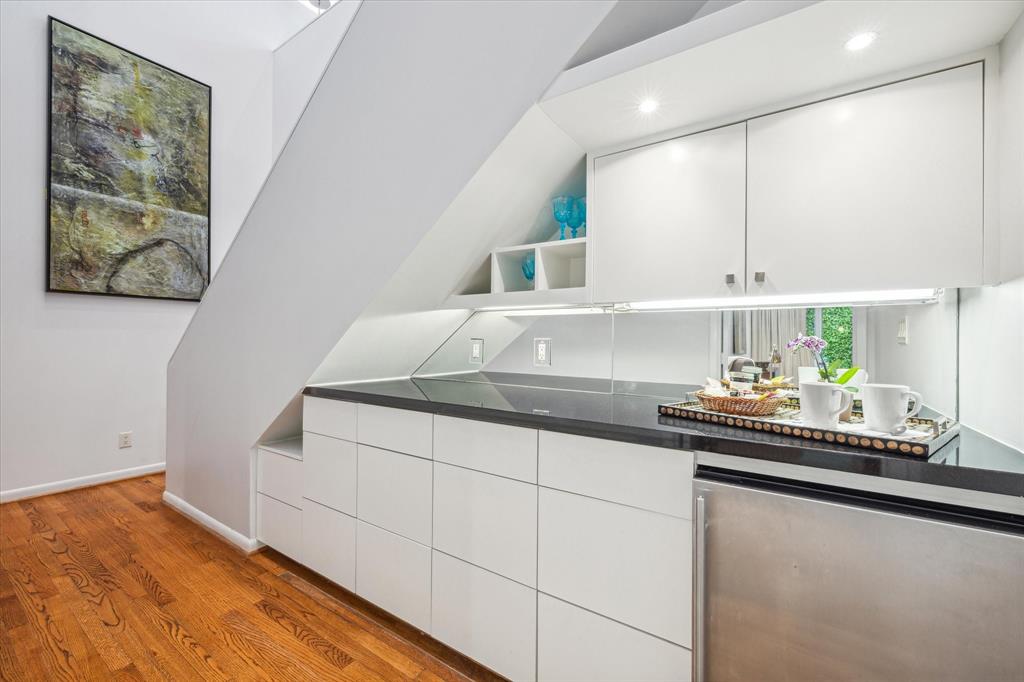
x: 821, y: 404
x: 885, y: 406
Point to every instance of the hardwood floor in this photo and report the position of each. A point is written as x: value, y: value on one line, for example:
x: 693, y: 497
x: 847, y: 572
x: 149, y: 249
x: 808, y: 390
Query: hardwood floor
x: 108, y: 583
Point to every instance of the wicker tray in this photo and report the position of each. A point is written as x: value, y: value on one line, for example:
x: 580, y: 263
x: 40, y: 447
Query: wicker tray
x: 922, y: 438
x: 739, y: 406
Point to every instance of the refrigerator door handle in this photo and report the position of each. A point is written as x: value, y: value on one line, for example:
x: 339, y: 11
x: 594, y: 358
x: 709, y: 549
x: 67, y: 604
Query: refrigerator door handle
x: 699, y: 586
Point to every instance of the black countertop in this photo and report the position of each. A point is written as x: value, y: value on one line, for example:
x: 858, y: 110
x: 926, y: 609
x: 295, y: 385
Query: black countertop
x: 629, y: 412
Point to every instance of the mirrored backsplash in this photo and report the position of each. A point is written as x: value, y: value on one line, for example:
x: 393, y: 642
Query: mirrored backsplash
x: 670, y: 352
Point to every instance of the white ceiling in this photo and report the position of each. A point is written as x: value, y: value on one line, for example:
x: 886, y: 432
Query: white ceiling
x: 250, y: 24
x: 781, y: 59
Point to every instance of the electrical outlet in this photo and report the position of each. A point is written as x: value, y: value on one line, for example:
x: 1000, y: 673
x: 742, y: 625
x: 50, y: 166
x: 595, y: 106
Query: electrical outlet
x: 542, y: 352
x: 476, y: 351
x: 903, y: 332
x: 124, y: 439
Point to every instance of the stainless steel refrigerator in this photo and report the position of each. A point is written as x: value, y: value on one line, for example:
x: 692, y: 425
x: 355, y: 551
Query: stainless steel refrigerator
x: 805, y: 584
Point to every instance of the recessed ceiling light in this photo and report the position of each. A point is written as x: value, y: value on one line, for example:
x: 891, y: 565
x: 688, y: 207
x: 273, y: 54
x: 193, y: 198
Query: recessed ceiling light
x: 648, y: 106
x: 860, y: 41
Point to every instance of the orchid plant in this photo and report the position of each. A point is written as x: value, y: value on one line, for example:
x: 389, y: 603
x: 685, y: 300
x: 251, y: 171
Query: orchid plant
x: 828, y: 371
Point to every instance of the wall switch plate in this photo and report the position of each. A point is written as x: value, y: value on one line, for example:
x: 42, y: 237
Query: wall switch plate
x: 476, y: 351
x: 542, y: 352
x: 124, y: 439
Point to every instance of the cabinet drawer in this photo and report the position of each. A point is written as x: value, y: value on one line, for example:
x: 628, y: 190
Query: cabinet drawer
x: 485, y: 616
x: 394, y: 492
x: 398, y: 430
x: 495, y: 448
x: 574, y: 644
x: 335, y: 418
x: 279, y: 525
x: 329, y: 543
x: 487, y: 520
x: 279, y: 477
x: 628, y: 564
x: 393, y: 573
x: 329, y: 472
x: 658, y: 479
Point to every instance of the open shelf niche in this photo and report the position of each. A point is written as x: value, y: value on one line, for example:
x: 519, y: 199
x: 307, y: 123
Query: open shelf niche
x: 560, y: 276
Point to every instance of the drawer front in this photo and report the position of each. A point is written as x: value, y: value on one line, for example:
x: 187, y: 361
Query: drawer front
x: 631, y: 565
x: 574, y: 644
x: 329, y: 543
x: 485, y: 616
x: 394, y: 492
x: 398, y: 430
x: 393, y: 573
x: 508, y: 451
x: 329, y: 472
x: 280, y: 526
x: 658, y: 479
x: 487, y: 520
x: 334, y: 418
x: 279, y: 477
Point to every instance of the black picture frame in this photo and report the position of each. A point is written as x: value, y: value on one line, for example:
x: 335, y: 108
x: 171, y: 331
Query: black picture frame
x: 51, y: 20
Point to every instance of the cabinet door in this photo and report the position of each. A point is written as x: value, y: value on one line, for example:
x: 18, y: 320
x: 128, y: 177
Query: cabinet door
x: 574, y: 644
x: 279, y: 477
x: 279, y: 525
x: 394, y: 492
x: 393, y: 573
x: 631, y: 565
x: 329, y: 472
x: 487, y: 520
x: 669, y: 218
x: 329, y: 543
x: 881, y: 189
x: 485, y: 616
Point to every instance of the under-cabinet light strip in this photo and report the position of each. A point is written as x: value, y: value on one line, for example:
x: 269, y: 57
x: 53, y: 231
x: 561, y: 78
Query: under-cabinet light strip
x: 851, y: 298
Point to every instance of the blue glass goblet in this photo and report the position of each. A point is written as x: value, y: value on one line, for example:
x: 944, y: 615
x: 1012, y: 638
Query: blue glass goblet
x: 578, y: 215
x: 529, y: 266
x: 561, y: 207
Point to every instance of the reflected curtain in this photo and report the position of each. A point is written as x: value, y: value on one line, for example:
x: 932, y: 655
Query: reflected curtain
x: 774, y: 328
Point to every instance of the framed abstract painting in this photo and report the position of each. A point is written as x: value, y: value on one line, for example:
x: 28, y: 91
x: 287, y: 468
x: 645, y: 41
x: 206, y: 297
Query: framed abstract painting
x: 129, y: 173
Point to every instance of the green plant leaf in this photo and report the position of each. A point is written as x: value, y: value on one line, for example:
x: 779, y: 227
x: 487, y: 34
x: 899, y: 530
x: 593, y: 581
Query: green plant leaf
x: 834, y: 365
x: 847, y: 375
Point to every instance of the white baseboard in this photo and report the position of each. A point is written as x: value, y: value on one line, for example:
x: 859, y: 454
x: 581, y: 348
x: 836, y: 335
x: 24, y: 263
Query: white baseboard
x: 246, y: 544
x: 82, y: 482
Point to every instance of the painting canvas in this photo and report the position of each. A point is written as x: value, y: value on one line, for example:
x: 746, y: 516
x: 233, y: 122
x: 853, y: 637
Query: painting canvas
x: 129, y: 185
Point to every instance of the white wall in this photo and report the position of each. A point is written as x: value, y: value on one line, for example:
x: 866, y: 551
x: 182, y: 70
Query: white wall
x: 417, y: 97
x: 76, y: 370
x: 928, y: 362
x: 992, y: 318
x: 508, y: 201
x: 298, y: 65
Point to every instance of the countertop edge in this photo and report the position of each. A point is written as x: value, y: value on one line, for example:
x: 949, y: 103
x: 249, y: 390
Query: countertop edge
x: 849, y: 460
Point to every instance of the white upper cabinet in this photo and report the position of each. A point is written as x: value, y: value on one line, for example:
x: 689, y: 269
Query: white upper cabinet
x: 880, y: 189
x: 669, y: 218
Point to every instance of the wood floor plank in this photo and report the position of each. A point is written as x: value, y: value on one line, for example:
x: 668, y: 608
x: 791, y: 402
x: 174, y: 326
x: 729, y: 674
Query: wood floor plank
x: 109, y: 583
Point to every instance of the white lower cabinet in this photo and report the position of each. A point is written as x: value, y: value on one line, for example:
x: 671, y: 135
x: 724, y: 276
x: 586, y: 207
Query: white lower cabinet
x: 393, y: 573
x: 575, y: 645
x: 394, y: 492
x: 487, y: 520
x: 491, y: 619
x: 279, y: 525
x: 629, y: 564
x: 329, y: 472
x: 329, y: 543
x: 279, y: 477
